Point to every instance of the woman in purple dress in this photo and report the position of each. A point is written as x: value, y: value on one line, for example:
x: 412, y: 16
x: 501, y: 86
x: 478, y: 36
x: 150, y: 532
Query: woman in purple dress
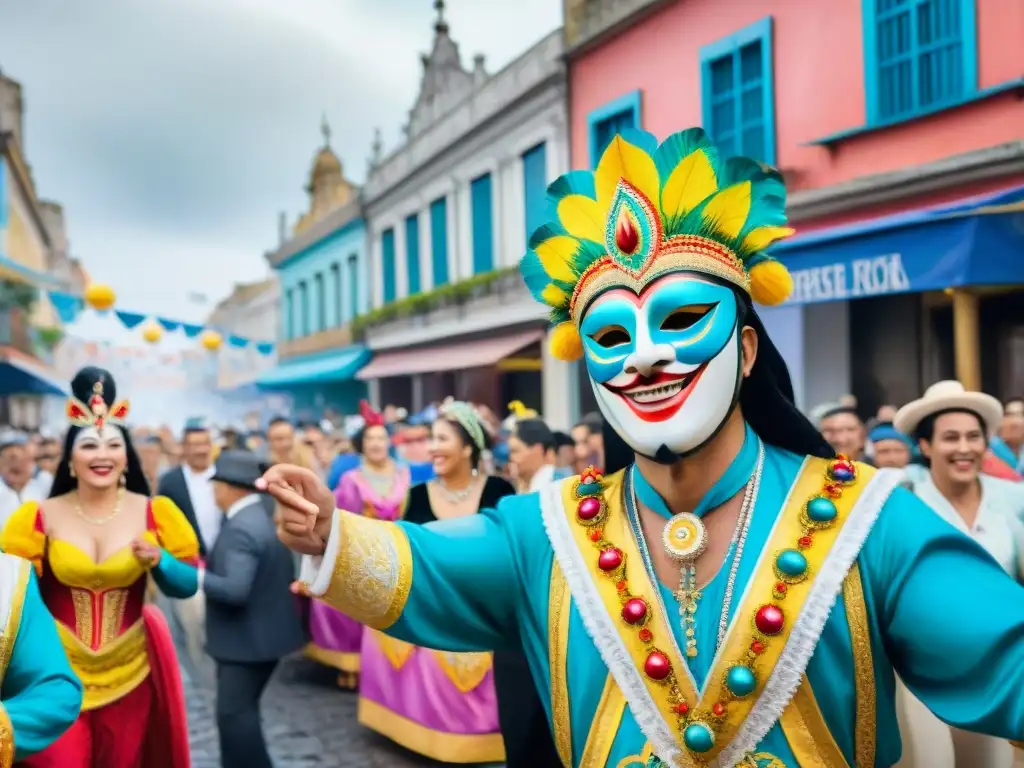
x: 441, y: 705
x: 376, y: 488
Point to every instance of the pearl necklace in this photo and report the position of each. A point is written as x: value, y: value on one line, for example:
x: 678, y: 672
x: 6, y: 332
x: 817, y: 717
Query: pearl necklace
x: 688, y: 594
x: 99, y: 520
x: 456, y: 497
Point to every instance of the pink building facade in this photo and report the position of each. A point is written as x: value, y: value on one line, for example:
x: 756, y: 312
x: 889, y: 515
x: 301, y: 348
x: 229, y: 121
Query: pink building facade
x: 899, y: 126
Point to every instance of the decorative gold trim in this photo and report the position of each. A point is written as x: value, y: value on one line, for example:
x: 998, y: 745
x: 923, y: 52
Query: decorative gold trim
x: 397, y: 652
x: 558, y: 648
x: 114, y: 603
x: 340, y: 660
x: 81, y: 599
x: 111, y: 672
x: 6, y: 739
x: 464, y: 670
x: 605, y: 727
x: 444, y: 747
x: 807, y: 733
x: 866, y: 731
x: 373, y: 573
x: 13, y: 623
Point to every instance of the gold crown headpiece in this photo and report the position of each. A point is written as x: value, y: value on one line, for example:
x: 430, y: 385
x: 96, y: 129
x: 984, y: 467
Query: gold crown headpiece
x: 95, y: 413
x: 649, y: 210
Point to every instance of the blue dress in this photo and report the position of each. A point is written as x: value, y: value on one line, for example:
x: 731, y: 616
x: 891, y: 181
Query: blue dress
x: 844, y: 577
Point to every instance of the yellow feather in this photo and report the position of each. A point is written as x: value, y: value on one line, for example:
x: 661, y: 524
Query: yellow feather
x: 555, y: 255
x: 760, y: 238
x: 727, y: 211
x: 581, y: 217
x: 554, y: 296
x: 690, y: 184
x: 565, y: 342
x: 622, y: 160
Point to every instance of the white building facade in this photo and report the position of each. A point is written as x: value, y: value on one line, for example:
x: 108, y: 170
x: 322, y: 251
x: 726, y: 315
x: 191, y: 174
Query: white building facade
x: 448, y: 217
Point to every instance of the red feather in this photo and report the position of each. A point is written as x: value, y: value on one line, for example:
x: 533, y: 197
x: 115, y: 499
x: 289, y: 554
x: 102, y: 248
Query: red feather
x: 371, y: 418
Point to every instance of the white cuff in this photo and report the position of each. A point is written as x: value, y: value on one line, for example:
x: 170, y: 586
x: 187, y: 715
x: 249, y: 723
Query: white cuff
x: 316, y: 571
x: 200, y: 578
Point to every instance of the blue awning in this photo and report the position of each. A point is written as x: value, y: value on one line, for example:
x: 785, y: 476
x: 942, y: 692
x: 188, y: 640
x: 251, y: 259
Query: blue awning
x: 20, y: 376
x: 324, y: 368
x: 18, y: 273
x: 977, y: 241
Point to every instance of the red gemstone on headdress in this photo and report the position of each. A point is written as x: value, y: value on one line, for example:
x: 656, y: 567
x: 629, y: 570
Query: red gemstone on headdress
x: 634, y: 611
x: 657, y: 666
x: 609, y: 559
x: 75, y: 412
x: 769, y: 619
x: 626, y: 237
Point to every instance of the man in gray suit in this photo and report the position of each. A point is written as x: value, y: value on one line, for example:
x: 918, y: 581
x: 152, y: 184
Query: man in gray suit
x: 252, y: 619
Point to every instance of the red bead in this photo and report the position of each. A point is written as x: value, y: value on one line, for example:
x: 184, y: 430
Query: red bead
x: 833, y: 491
x: 682, y: 708
x: 718, y: 709
x: 781, y: 587
x: 634, y: 611
x: 805, y: 542
x: 589, y: 508
x: 645, y: 635
x: 757, y: 647
x: 626, y: 236
x: 657, y: 666
x: 609, y: 559
x: 769, y: 619
x: 595, y: 536
x: 621, y: 586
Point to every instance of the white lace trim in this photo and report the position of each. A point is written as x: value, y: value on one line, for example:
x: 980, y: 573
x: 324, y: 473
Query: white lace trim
x: 602, y: 630
x: 316, y: 572
x: 807, y: 628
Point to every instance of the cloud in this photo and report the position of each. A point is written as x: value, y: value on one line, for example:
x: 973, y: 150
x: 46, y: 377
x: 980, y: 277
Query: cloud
x: 174, y: 131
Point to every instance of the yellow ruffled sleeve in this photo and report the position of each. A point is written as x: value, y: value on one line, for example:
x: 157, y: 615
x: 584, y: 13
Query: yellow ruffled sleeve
x: 24, y: 536
x: 173, y: 531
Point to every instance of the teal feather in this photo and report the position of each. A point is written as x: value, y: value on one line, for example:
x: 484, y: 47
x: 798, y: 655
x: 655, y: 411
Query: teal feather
x: 546, y: 232
x: 648, y: 142
x: 681, y: 145
x: 534, y: 276
x: 572, y: 183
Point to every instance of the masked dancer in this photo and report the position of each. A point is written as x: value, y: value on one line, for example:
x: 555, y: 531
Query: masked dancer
x: 375, y: 489
x: 730, y: 592
x: 94, y: 542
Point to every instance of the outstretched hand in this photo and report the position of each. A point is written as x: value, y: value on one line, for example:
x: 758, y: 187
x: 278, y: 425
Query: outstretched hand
x: 305, y: 507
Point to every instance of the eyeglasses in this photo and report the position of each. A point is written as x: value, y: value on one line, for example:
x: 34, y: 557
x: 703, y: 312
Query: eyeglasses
x: 48, y: 457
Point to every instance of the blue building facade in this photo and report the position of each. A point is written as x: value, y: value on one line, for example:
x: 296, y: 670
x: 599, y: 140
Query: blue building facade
x: 322, y: 271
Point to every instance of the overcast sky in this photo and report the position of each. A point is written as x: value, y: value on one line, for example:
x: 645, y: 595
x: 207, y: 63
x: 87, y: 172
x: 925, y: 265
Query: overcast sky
x: 174, y: 131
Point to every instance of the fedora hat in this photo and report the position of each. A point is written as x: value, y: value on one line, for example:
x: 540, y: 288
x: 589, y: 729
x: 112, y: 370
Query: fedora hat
x: 239, y: 468
x: 949, y: 396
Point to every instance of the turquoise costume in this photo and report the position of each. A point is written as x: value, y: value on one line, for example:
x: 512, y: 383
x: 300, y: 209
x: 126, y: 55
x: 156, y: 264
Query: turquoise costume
x: 40, y: 696
x: 835, y: 577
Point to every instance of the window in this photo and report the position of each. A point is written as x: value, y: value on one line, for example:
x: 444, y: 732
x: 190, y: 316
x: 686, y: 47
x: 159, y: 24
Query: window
x: 387, y: 252
x: 289, y: 314
x: 535, y: 185
x: 439, y: 240
x: 321, y: 302
x: 481, y: 201
x: 412, y: 254
x: 738, y: 95
x: 920, y: 55
x: 353, y: 285
x: 614, y: 117
x: 336, y: 287
x: 303, y: 308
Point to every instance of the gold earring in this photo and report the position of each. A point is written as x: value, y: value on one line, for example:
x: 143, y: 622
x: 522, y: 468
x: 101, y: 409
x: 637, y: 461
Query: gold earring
x: 71, y: 470
x: 124, y: 479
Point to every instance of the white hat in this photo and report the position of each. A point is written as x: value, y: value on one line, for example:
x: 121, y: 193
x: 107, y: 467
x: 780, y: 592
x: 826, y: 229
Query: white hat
x: 949, y: 396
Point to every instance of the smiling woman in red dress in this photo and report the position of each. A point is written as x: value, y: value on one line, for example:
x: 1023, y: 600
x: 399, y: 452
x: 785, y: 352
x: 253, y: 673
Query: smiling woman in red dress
x: 94, y: 543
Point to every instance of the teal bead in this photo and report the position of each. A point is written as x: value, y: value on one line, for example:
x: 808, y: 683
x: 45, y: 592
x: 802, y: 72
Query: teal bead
x: 698, y: 738
x: 589, y: 488
x: 791, y: 563
x: 740, y: 681
x: 821, y: 510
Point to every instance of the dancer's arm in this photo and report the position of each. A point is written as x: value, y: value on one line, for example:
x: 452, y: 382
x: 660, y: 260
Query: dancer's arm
x: 176, y: 573
x: 41, y: 696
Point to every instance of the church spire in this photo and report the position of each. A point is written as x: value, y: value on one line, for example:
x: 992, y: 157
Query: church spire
x: 325, y: 130
x: 440, y: 25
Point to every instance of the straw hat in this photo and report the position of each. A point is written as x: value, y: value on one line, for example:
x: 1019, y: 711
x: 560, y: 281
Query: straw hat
x: 949, y: 396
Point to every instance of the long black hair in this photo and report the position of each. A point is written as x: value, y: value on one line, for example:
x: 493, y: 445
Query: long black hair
x: 766, y: 399
x: 83, y: 387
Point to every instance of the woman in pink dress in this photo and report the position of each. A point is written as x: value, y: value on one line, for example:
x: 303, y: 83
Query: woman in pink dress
x: 376, y: 488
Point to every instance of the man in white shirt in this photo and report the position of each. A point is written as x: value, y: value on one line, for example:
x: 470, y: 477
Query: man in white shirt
x: 531, y: 452
x: 190, y: 487
x: 19, y: 480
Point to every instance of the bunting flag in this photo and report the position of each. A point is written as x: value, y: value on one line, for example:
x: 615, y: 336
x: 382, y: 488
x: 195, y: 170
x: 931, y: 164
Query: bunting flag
x: 68, y: 308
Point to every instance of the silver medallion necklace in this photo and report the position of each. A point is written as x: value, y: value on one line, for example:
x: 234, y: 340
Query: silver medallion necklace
x: 458, y: 496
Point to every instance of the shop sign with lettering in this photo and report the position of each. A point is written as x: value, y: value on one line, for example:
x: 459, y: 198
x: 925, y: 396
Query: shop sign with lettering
x: 859, y: 278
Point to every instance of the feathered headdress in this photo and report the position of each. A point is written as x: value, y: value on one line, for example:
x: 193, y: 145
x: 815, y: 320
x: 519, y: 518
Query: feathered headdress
x: 371, y: 418
x: 648, y: 210
x: 96, y: 413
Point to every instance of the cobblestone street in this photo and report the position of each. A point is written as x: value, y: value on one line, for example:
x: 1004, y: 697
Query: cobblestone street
x: 308, y: 721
